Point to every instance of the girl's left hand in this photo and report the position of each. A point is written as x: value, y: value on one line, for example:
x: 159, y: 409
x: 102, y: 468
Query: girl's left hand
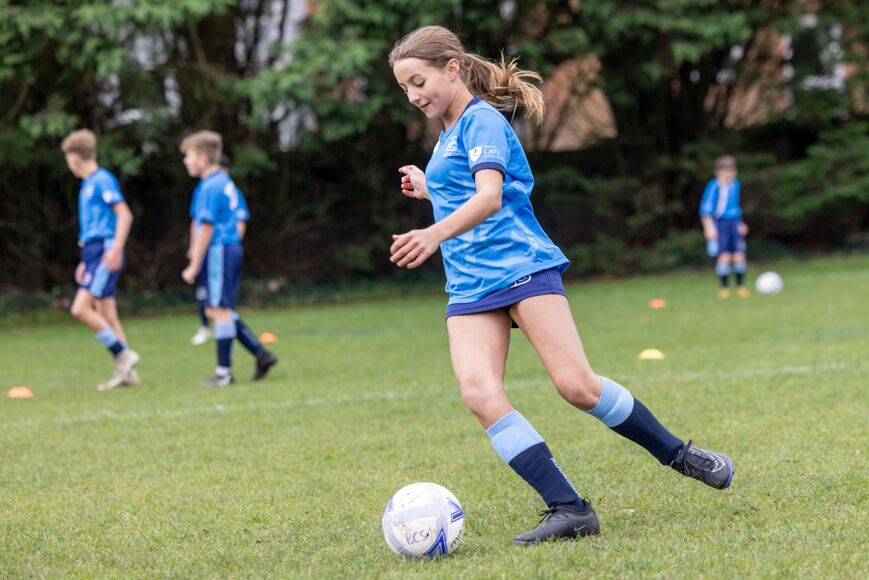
x: 743, y: 229
x: 413, y: 248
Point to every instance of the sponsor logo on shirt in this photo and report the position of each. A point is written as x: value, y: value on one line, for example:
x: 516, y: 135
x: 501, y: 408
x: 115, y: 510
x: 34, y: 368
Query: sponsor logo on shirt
x: 485, y: 152
x: 109, y: 196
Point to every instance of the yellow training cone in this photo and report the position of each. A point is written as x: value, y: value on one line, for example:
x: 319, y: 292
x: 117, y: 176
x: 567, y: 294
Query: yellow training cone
x: 268, y: 338
x: 20, y: 393
x: 652, y: 354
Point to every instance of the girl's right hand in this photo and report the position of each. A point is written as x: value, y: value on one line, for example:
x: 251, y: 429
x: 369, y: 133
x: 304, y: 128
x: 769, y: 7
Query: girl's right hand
x: 79, y: 273
x: 413, y: 182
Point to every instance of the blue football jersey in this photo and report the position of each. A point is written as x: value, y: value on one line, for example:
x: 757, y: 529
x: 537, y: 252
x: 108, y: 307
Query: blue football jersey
x: 507, y: 245
x: 242, y: 214
x: 721, y: 202
x: 216, y: 204
x: 97, y: 196
x: 194, y: 201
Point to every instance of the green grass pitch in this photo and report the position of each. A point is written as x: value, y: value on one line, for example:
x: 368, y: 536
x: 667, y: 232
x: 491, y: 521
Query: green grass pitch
x: 289, y: 477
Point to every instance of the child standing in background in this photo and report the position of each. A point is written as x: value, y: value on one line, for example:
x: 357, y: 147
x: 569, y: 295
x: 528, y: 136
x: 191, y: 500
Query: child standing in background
x: 723, y: 226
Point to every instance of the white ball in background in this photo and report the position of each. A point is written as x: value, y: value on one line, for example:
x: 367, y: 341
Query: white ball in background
x: 423, y: 520
x: 769, y: 283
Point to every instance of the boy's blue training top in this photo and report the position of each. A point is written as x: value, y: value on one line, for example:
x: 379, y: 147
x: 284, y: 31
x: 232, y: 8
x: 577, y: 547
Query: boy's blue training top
x: 216, y: 203
x: 721, y: 203
x: 97, y: 196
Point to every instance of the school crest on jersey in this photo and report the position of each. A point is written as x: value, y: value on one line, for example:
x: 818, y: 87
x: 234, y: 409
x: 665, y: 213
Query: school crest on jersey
x: 452, y: 147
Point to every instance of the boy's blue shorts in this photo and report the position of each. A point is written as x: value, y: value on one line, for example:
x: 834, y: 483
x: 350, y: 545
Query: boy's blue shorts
x: 219, y: 279
x: 537, y: 284
x: 97, y: 279
x: 729, y: 238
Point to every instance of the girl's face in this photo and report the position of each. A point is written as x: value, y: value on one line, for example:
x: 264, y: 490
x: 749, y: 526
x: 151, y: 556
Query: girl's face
x: 431, y: 89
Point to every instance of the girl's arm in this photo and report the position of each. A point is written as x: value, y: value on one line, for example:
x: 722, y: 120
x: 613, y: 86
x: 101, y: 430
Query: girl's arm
x: 414, y: 247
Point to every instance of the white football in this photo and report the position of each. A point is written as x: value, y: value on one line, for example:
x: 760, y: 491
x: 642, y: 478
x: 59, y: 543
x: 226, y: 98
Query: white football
x: 769, y: 283
x: 423, y: 520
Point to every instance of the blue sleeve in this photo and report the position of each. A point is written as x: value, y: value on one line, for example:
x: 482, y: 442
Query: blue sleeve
x: 707, y: 204
x: 737, y: 190
x: 485, y: 139
x: 193, y: 202
x: 209, y: 207
x: 109, y: 190
x: 241, y: 212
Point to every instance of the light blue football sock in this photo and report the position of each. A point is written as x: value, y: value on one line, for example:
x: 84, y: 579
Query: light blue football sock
x: 627, y: 416
x: 109, y: 339
x: 523, y: 449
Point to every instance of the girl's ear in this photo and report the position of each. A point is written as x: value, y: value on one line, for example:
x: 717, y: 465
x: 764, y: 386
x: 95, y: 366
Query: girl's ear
x: 454, y: 69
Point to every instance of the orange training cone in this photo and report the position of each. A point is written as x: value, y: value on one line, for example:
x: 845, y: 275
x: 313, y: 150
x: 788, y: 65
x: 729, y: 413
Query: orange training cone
x: 268, y: 338
x: 657, y: 303
x: 20, y: 393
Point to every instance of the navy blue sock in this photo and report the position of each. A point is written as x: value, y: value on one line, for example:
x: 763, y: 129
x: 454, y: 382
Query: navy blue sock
x: 247, y: 338
x: 739, y: 271
x: 202, y: 316
x: 645, y: 430
x: 627, y: 416
x: 224, y: 332
x: 723, y: 271
x: 109, y: 339
x: 523, y: 449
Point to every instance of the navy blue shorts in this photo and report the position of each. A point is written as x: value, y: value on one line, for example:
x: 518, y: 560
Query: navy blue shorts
x: 729, y: 238
x: 97, y: 279
x: 537, y: 284
x: 219, y: 279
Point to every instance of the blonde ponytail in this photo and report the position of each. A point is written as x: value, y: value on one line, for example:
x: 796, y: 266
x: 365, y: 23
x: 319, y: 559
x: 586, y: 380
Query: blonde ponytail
x: 506, y: 87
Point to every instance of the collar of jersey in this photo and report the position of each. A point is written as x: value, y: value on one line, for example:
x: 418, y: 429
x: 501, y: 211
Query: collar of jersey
x: 218, y: 172
x: 473, y: 102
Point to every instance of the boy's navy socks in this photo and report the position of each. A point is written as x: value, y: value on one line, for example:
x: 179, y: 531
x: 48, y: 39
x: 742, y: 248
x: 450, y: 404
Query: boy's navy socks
x: 247, y: 338
x: 739, y: 271
x: 202, y: 316
x: 723, y: 271
x: 224, y: 333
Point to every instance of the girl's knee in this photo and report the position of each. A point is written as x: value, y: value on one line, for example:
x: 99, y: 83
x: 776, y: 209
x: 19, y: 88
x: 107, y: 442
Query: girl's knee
x: 582, y: 390
x: 480, y: 394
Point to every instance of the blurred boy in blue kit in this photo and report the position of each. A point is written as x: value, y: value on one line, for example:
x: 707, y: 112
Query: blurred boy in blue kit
x: 104, y: 225
x: 203, y: 333
x: 723, y: 226
x: 216, y: 255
